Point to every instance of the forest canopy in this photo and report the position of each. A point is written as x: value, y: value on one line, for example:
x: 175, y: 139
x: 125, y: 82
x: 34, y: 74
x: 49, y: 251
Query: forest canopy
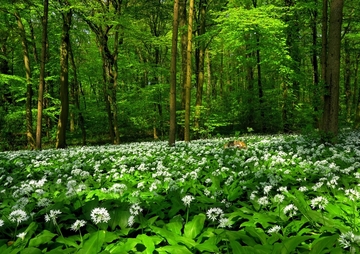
x: 80, y: 72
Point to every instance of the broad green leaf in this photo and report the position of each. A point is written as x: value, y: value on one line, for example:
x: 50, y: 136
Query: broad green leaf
x: 257, y: 233
x: 237, y: 248
x: 324, y: 242
x: 175, y: 249
x: 69, y: 241
x: 125, y: 248
x: 208, y: 245
x: 175, y: 225
x: 44, y: 237
x: 195, y: 226
x: 172, y: 238
x: 31, y: 250
x: 94, y: 243
x: 289, y: 244
x: 148, y: 243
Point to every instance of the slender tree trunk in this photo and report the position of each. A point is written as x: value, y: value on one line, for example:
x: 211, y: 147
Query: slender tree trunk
x: 29, y: 124
x: 259, y: 84
x: 42, y: 75
x: 201, y: 65
x: 347, y: 80
x: 183, y: 48
x: 64, y: 79
x: 331, y: 97
x: 315, y: 67
x: 357, y: 93
x: 76, y: 95
x: 117, y: 41
x: 188, y: 73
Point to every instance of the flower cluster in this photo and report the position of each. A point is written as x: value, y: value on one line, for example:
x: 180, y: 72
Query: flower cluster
x: 99, y: 215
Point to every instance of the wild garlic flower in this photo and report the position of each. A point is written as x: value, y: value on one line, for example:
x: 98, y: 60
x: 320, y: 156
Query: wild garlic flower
x: 1, y: 223
x: 52, y: 216
x: 77, y: 225
x: 187, y: 200
x: 131, y: 221
x: 303, y: 188
x: 43, y: 202
x: 352, y: 194
x: 264, y: 201
x: 135, y: 209
x: 224, y: 222
x: 347, y: 239
x: 18, y: 216
x: 291, y: 209
x: 267, y: 189
x: 282, y: 189
x: 214, y: 213
x: 99, y: 215
x: 319, y: 202
x: 21, y: 235
x: 275, y: 229
x: 279, y: 198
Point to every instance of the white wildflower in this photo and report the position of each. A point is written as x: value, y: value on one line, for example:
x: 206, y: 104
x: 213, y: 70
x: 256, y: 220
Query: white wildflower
x: 291, y: 209
x: 187, y: 200
x: 264, y: 201
x: 18, y: 216
x: 77, y: 225
x: 267, y: 189
x: 135, y: 209
x: 224, y: 222
x: 99, y: 215
x: 1, y: 223
x: 347, y: 239
x: 214, y: 213
x: 52, y: 216
x: 319, y: 202
x: 21, y: 235
x: 352, y: 194
x: 279, y: 198
x: 131, y: 221
x: 275, y: 229
x: 303, y: 188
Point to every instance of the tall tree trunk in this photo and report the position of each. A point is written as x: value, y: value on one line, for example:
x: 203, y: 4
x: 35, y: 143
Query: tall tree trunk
x: 188, y: 73
x: 324, y: 55
x: 64, y: 79
x: 117, y: 41
x: 259, y: 84
x: 29, y: 124
x: 315, y: 67
x: 357, y: 93
x: 347, y: 80
x: 42, y: 75
x: 331, y: 97
x: 201, y: 65
x: 76, y: 95
x: 183, y: 52
x: 172, y: 130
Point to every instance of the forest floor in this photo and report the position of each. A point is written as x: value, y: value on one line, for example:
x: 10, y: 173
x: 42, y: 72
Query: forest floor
x: 283, y: 194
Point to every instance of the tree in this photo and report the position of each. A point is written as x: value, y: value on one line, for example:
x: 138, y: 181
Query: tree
x: 42, y: 74
x: 64, y: 75
x: 172, y: 130
x: 29, y: 92
x: 188, y: 73
x: 330, y: 126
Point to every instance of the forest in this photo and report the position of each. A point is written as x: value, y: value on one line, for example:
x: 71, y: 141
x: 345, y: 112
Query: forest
x: 114, y: 71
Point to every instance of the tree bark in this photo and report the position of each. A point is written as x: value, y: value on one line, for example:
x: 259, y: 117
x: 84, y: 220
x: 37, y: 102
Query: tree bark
x: 29, y: 124
x: 42, y: 75
x: 188, y: 73
x: 331, y: 97
x: 64, y: 79
x: 201, y: 65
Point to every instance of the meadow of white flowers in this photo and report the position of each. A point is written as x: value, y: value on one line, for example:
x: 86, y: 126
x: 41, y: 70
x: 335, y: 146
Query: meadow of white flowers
x: 284, y: 194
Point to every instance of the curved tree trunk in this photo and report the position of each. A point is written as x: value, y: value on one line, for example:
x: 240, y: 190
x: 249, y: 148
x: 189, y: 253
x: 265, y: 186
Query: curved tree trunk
x: 29, y: 127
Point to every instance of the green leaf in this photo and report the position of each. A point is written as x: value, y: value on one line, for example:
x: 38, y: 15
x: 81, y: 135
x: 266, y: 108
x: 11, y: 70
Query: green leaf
x: 195, y: 226
x: 172, y: 238
x: 44, y: 237
x: 208, y: 245
x: 148, y: 243
x: 175, y: 225
x: 257, y: 233
x: 237, y: 248
x: 289, y: 244
x: 69, y: 241
x: 175, y: 249
x: 31, y: 250
x: 324, y: 242
x: 127, y: 247
x: 94, y: 243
